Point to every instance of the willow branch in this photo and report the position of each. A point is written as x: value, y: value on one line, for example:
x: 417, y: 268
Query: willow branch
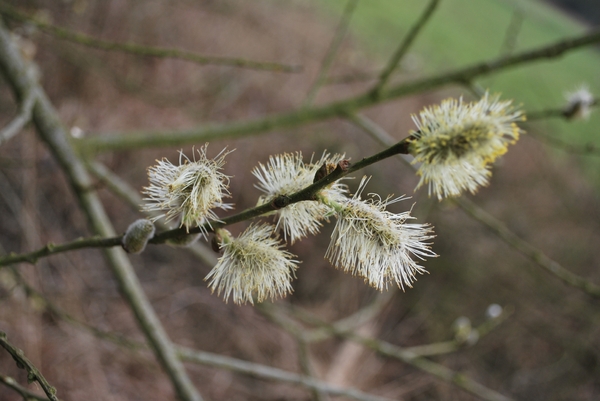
x: 139, y: 140
x: 536, y: 255
x: 351, y: 78
x: 405, y: 45
x: 299, y: 334
x: 433, y: 349
x: 332, y: 51
x: 307, y: 194
x: 528, y: 250
x: 52, y: 249
x: 432, y: 368
x: 457, y: 344
x: 588, y: 149
x: 58, y: 312
x: 203, y: 358
x: 395, y: 352
x: 33, y: 373
x: 23, y: 392
x: 23, y: 116
x: 267, y: 372
x: 141, y: 50
x: 359, y: 318
x: 51, y: 131
x: 564, y: 113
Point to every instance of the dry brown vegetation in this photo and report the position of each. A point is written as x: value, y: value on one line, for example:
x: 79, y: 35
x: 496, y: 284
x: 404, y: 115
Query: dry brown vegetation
x: 547, y: 349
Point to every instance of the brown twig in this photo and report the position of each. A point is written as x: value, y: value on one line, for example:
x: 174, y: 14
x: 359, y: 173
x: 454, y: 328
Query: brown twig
x: 534, y: 254
x: 33, y: 373
x: 405, y: 45
x: 138, y: 140
x: 204, y: 358
x: 23, y: 116
x: 23, y: 392
x: 307, y: 194
x: 51, y: 131
x: 392, y: 351
x: 332, y: 51
x: 141, y: 50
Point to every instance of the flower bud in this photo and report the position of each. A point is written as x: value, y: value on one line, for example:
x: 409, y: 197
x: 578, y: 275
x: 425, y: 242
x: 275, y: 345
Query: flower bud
x: 137, y: 235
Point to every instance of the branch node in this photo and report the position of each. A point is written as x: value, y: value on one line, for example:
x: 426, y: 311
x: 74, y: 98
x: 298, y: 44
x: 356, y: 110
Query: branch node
x: 280, y: 202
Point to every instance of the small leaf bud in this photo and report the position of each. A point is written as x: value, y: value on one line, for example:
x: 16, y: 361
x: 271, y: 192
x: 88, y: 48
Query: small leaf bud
x: 137, y: 235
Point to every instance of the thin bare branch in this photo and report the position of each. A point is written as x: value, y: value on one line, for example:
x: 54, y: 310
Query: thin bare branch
x: 22, y: 118
x: 556, y: 113
x: 588, y: 149
x: 124, y: 140
x: 267, y: 372
x: 203, y: 358
x: 307, y: 194
x: 33, y: 373
x: 52, y: 249
x: 392, y: 351
x: 51, y: 131
x: 512, y: 32
x: 23, y: 392
x: 433, y: 349
x: 405, y: 45
x: 332, y: 51
x: 360, y: 317
x: 141, y: 50
x: 353, y: 78
x: 457, y: 344
x: 528, y: 250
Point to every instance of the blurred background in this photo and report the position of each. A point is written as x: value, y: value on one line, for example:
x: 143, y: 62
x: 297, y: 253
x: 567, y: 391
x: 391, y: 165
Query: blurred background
x: 547, y: 349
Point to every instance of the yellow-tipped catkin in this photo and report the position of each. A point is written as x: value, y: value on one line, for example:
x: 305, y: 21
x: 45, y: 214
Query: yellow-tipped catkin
x: 137, y: 236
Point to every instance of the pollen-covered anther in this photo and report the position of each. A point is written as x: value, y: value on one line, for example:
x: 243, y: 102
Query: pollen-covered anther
x: 287, y: 174
x: 370, y: 242
x: 190, y: 190
x: 253, y: 267
x: 456, y: 142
